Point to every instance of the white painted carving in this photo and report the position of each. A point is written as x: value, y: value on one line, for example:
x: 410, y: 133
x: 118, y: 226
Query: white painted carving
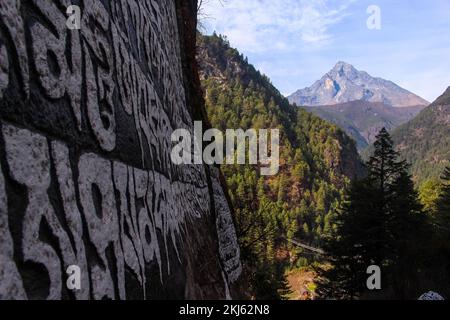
x: 102, y: 222
x: 60, y: 155
x: 4, y: 69
x: 132, y: 250
x: 29, y: 162
x: 10, y: 281
x: 228, y: 243
x: 111, y: 219
x: 10, y: 15
x: 58, y: 76
x: 99, y: 85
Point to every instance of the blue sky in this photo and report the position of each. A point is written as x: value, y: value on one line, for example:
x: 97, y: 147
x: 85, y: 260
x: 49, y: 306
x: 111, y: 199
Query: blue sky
x: 295, y: 42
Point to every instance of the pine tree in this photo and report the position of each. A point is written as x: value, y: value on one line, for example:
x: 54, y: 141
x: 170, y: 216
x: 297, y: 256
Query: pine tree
x: 408, y: 232
x: 438, y: 265
x: 384, y: 170
x: 402, y: 224
x: 348, y: 248
x: 381, y: 223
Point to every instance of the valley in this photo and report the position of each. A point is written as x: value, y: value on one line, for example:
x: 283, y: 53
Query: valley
x: 323, y: 129
x: 359, y: 103
x: 363, y: 120
x: 317, y: 162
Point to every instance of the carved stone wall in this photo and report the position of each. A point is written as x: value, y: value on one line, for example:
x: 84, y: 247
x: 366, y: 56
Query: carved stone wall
x: 86, y: 178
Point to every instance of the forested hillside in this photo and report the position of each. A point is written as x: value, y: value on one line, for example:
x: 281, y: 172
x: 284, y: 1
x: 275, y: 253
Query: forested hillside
x: 425, y: 141
x: 317, y: 161
x: 363, y: 120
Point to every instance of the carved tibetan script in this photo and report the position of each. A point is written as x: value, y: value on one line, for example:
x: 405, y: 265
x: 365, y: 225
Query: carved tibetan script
x: 86, y: 179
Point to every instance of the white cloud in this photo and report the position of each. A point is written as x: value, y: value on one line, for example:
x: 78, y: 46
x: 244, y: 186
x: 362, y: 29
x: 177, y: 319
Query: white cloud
x: 295, y: 42
x: 262, y: 25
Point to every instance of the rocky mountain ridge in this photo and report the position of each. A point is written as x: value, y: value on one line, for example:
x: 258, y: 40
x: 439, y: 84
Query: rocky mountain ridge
x: 344, y: 83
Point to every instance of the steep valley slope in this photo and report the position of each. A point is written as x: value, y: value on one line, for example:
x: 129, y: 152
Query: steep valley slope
x: 317, y: 158
x: 363, y: 120
x: 425, y: 140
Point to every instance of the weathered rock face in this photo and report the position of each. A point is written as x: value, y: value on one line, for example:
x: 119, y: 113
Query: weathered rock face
x: 86, y: 178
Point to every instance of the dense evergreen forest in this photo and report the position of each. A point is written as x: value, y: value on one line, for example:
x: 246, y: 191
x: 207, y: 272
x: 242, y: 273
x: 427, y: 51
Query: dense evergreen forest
x: 383, y: 223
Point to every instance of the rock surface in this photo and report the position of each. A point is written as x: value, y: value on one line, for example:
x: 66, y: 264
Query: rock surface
x: 86, y: 179
x: 431, y: 296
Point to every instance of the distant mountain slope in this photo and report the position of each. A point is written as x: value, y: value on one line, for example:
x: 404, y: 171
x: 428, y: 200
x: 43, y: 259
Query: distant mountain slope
x: 344, y: 83
x: 363, y: 120
x: 425, y: 140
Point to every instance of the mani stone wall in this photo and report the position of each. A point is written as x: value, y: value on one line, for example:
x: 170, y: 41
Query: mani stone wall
x: 86, y: 178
